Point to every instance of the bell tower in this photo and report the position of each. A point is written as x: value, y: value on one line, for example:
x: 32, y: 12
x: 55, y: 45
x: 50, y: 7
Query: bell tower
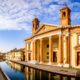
x: 65, y: 16
x: 35, y: 25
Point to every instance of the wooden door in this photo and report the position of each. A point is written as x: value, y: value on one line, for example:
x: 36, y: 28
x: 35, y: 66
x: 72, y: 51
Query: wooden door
x: 54, y: 56
x: 29, y: 56
x: 78, y: 58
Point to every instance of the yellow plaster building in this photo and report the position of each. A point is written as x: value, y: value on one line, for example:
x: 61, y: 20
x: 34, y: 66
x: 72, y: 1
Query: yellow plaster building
x: 19, y: 54
x: 55, y: 45
x: 16, y: 54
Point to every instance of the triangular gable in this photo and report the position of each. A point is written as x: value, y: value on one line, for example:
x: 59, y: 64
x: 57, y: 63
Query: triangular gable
x: 45, y: 28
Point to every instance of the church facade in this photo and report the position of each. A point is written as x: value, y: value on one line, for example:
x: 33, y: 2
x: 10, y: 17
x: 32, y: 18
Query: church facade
x: 54, y: 45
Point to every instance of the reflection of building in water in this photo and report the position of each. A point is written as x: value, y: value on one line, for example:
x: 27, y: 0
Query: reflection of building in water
x: 33, y: 74
x: 12, y: 65
x: 29, y: 73
x: 53, y: 44
x: 16, y: 66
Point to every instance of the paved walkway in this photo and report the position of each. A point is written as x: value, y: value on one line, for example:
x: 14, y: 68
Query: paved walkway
x: 53, y: 69
x: 3, y: 76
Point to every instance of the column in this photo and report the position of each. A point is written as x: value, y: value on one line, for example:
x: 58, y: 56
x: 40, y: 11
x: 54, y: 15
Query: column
x: 68, y: 49
x: 41, y: 50
x: 26, y: 53
x: 60, y: 50
x: 32, y: 55
x: 50, y: 50
x: 34, y: 50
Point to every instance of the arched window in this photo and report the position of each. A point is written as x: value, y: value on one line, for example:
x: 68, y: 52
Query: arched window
x: 64, y: 14
x: 33, y: 25
x: 47, y: 46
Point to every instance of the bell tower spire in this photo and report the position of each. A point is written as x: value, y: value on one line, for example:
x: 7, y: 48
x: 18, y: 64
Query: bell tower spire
x: 35, y: 25
x: 65, y: 19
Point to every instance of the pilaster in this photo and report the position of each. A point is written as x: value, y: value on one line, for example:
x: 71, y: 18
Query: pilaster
x: 32, y: 55
x: 60, y: 58
x: 50, y: 49
x: 34, y: 50
x: 41, y: 50
x: 68, y: 49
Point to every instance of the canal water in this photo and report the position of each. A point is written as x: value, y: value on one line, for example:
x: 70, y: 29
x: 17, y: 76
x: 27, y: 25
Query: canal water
x: 19, y: 72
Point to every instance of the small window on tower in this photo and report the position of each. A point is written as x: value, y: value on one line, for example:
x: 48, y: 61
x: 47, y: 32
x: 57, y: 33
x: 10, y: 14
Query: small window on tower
x: 33, y: 25
x: 64, y: 14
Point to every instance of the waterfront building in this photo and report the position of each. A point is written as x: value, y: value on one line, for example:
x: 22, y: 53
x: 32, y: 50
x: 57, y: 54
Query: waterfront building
x: 2, y: 55
x: 9, y: 55
x: 15, y: 66
x: 19, y: 54
x: 57, y: 45
x: 16, y: 54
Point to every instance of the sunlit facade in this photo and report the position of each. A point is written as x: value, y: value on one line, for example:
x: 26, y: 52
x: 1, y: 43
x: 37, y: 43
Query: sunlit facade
x: 57, y: 45
x: 16, y: 54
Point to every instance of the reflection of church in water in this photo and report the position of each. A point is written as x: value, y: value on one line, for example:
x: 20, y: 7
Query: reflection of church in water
x: 55, y: 45
x: 34, y: 74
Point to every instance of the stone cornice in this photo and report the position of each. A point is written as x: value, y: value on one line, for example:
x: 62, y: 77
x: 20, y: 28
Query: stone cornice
x: 58, y: 28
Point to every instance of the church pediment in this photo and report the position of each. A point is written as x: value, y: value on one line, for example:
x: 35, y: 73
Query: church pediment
x: 45, y: 28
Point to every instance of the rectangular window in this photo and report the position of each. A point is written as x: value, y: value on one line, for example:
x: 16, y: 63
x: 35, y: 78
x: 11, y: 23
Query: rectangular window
x: 47, y: 53
x: 29, y: 46
x: 47, y: 57
x: 79, y: 39
x: 47, y: 46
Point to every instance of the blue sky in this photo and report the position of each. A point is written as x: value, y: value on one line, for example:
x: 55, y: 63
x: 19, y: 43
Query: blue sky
x: 16, y: 17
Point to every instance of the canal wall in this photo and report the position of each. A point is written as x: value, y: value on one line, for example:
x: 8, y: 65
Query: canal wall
x: 53, y: 69
x: 3, y: 75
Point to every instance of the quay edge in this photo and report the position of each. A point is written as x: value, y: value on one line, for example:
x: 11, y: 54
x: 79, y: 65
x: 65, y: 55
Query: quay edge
x: 53, y: 69
x: 4, y: 76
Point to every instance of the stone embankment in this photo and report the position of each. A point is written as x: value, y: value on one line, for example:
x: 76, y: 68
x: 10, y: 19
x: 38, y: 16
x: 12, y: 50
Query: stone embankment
x: 53, y: 69
x: 3, y: 76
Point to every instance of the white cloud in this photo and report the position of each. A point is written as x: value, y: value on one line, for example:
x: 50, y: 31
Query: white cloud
x: 75, y: 15
x: 63, y: 1
x: 18, y: 14
x: 7, y: 24
x: 53, y: 8
x: 14, y: 12
x: 77, y: 4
